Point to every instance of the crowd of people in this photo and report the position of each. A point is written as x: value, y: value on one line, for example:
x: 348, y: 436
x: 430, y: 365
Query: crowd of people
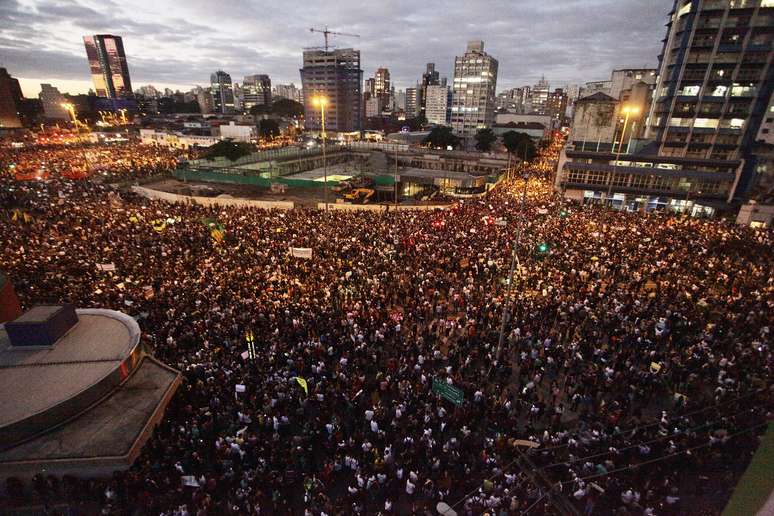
x: 78, y: 161
x: 634, y: 376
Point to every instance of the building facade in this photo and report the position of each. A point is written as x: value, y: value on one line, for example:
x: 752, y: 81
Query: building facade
x: 413, y: 102
x: 222, y: 92
x: 256, y: 91
x: 336, y: 76
x: 714, y: 82
x: 10, y: 101
x: 437, y: 104
x: 288, y: 91
x: 473, y: 91
x: 382, y: 84
x: 109, y: 69
x: 51, y: 100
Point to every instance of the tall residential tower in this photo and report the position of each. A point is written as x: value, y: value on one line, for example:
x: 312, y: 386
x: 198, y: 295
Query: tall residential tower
x: 336, y: 76
x: 473, y: 91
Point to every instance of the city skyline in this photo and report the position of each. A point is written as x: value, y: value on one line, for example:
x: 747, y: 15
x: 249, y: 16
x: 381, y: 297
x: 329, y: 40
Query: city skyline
x: 568, y: 42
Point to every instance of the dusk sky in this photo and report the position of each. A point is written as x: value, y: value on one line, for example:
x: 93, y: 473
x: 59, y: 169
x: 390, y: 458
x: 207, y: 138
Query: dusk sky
x: 178, y: 44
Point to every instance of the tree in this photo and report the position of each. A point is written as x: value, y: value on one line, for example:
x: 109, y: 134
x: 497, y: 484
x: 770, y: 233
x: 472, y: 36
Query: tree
x: 229, y: 149
x: 442, y: 137
x: 268, y: 128
x: 287, y: 108
x: 259, y: 109
x: 484, y: 139
x: 520, y: 144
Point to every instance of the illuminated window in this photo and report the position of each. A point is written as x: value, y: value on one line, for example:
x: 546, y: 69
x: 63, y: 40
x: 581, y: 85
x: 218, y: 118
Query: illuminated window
x: 711, y: 123
x: 719, y: 91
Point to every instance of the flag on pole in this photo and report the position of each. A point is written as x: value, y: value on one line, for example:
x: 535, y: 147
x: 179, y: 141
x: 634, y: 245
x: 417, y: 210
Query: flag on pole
x: 302, y: 383
x: 250, y: 339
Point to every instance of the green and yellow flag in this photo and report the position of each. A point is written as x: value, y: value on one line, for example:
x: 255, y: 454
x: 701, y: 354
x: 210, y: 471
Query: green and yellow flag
x: 159, y: 225
x: 217, y: 231
x: 303, y: 385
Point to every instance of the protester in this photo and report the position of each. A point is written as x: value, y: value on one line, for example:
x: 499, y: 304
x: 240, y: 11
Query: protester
x: 637, y: 358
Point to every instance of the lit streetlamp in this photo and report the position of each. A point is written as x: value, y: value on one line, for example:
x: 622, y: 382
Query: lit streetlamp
x: 321, y: 101
x: 627, y: 111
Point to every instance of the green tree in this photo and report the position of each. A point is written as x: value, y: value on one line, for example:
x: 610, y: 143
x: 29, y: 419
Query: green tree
x: 260, y: 109
x: 229, y: 149
x: 520, y: 144
x: 484, y: 139
x: 443, y: 137
x: 287, y: 108
x: 268, y: 128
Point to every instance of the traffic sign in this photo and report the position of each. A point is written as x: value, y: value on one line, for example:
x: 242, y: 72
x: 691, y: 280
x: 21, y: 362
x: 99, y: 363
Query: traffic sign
x: 447, y: 391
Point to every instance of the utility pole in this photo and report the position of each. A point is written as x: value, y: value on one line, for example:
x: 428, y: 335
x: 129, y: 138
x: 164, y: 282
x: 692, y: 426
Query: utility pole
x: 514, y: 260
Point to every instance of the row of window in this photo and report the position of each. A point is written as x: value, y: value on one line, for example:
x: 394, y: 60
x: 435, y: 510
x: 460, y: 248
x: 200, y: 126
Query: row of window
x: 646, y: 182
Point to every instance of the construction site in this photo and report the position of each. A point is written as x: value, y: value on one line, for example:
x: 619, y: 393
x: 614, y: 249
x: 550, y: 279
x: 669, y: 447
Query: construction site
x: 357, y: 173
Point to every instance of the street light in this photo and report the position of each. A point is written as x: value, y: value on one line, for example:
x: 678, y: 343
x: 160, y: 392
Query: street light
x: 319, y: 100
x: 627, y: 111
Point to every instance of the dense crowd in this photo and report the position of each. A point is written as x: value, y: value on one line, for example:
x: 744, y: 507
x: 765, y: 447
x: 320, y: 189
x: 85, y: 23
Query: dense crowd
x: 115, y: 161
x: 634, y: 377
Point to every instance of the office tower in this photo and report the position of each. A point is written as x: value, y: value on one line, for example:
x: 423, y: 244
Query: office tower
x: 382, y: 84
x: 539, y: 96
x: 429, y: 78
x: 204, y: 99
x: 239, y: 98
x: 413, y: 102
x: 336, y: 76
x: 370, y: 87
x: 437, y: 104
x: 256, y: 90
x: 399, y: 100
x: 10, y: 101
x: 373, y: 106
x: 288, y: 91
x: 556, y: 105
x: 473, y: 90
x: 714, y: 82
x: 222, y: 92
x: 109, y: 70
x: 711, y: 94
x: 51, y: 100
x: 148, y: 91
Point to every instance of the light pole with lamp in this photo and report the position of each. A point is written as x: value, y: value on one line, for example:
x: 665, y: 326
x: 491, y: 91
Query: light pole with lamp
x: 627, y: 111
x: 321, y: 101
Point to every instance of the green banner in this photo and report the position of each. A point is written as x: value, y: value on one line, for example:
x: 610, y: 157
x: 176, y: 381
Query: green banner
x: 447, y: 391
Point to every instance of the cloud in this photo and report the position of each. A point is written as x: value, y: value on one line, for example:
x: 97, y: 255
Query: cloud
x: 183, y: 42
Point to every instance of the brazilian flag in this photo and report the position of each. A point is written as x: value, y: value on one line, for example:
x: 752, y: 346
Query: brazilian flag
x: 217, y: 231
x: 159, y: 225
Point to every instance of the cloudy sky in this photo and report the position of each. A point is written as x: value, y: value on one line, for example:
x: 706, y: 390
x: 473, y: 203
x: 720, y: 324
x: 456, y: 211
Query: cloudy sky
x: 179, y: 43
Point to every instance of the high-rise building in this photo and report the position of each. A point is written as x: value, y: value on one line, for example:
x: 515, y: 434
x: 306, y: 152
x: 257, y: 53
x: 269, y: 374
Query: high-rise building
x: 10, y: 101
x: 222, y: 92
x: 711, y: 94
x: 204, y: 99
x: 429, y: 78
x: 382, y: 84
x: 148, y: 91
x: 373, y: 106
x: 288, y: 91
x: 413, y: 102
x: 473, y: 91
x: 51, y: 100
x: 370, y: 87
x: 556, y: 105
x: 539, y: 96
x: 256, y: 90
x: 336, y: 76
x: 437, y: 104
x: 109, y: 70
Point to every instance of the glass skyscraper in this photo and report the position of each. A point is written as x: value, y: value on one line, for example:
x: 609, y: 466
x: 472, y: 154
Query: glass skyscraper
x: 109, y: 70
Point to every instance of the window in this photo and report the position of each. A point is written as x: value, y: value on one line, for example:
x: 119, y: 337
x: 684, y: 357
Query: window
x: 711, y: 123
x: 739, y: 90
x: 719, y: 91
x: 689, y: 91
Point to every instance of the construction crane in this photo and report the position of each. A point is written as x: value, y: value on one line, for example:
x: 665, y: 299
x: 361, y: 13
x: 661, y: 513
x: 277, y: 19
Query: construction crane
x: 325, y: 33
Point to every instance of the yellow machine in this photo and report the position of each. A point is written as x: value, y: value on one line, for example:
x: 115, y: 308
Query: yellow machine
x: 359, y: 195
